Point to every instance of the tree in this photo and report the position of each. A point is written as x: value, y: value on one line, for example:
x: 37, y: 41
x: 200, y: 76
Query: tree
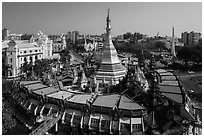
x: 41, y: 66
x: 128, y: 35
x: 7, y: 121
x: 190, y: 54
x: 5, y: 69
x: 160, y: 45
x: 26, y: 37
x: 26, y: 67
x: 184, y: 54
x: 65, y: 55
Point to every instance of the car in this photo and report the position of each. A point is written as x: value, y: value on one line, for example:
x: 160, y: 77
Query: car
x: 191, y: 72
x: 191, y: 91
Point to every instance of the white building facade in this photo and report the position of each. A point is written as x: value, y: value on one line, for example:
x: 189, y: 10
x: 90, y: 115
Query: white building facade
x: 19, y: 52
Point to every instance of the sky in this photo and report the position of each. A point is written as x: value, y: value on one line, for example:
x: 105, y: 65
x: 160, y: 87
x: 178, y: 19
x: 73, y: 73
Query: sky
x: 90, y: 17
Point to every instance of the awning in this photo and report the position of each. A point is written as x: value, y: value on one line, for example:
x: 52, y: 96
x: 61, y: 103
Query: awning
x: 105, y: 117
x: 34, y: 101
x: 96, y: 116
x: 136, y: 120
x: 125, y: 120
x: 76, y: 112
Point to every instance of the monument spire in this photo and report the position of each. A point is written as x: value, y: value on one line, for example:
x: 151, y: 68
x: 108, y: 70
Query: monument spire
x: 173, y: 45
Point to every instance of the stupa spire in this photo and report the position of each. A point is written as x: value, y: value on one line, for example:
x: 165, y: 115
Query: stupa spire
x: 108, y: 25
x: 111, y: 68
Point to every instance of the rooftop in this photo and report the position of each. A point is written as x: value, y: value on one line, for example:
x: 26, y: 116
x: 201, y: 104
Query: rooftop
x: 166, y: 74
x: 60, y: 95
x: 169, y: 83
x: 106, y: 100
x: 35, y: 86
x: 126, y: 103
x: 170, y: 89
x: 168, y: 78
x: 80, y: 98
x: 161, y: 71
x: 29, y: 82
x: 21, y: 44
x: 46, y: 91
x: 102, y: 100
x: 175, y: 97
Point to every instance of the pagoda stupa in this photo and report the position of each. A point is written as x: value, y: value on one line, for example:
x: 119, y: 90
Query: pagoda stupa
x: 111, y: 68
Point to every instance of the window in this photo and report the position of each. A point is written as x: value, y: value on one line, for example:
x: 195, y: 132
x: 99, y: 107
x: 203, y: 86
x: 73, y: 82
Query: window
x: 95, y: 121
x: 124, y: 125
x: 11, y: 60
x: 20, y: 52
x: 36, y: 50
x: 36, y: 57
x: 105, y: 123
x: 77, y: 118
x: 24, y: 52
x: 25, y: 59
x: 31, y: 51
x: 11, y: 53
x: 31, y: 59
x: 137, y: 126
x: 21, y: 59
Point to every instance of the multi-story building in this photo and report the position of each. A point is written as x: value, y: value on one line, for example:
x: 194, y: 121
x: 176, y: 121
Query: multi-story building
x: 18, y: 52
x: 59, y: 44
x: 5, y: 33
x: 15, y: 36
x: 197, y: 37
x: 95, y: 45
x: 55, y: 38
x: 190, y: 39
x: 73, y: 36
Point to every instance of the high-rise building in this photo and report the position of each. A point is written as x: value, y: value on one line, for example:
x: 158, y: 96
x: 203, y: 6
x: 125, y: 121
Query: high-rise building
x: 197, y: 37
x: 73, y: 36
x: 184, y: 37
x: 111, y: 69
x: 190, y: 39
x: 5, y: 33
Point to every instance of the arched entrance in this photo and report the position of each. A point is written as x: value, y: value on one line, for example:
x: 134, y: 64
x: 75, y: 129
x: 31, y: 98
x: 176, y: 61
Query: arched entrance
x: 9, y: 73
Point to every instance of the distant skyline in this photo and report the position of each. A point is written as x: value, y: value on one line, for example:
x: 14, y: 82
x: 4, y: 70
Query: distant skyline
x: 89, y: 17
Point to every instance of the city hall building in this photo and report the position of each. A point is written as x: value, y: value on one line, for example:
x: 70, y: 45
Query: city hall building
x: 16, y: 52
